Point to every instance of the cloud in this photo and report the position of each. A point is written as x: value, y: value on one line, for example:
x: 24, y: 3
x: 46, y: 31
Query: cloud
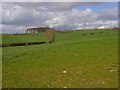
x: 108, y: 14
x: 60, y: 1
x: 13, y: 28
x: 51, y: 6
x: 17, y: 17
x: 0, y: 13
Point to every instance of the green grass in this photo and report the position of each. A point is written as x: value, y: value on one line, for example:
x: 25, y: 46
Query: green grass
x: 87, y: 61
x: 11, y: 38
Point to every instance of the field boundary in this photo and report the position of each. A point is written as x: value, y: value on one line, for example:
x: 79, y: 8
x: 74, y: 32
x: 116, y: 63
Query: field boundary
x: 21, y: 44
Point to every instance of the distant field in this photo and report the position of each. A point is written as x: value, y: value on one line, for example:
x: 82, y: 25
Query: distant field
x: 78, y: 59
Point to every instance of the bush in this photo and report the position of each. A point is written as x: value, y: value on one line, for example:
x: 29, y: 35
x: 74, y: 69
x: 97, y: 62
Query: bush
x: 84, y: 34
x: 32, y: 43
x: 4, y: 45
x: 38, y: 42
x: 101, y: 32
x: 92, y: 33
x: 17, y: 44
x: 21, y: 44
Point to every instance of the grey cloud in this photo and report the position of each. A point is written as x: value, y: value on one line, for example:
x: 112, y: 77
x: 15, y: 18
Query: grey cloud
x: 52, y: 6
x: 12, y: 29
x: 19, y: 16
x: 0, y: 18
x: 109, y: 14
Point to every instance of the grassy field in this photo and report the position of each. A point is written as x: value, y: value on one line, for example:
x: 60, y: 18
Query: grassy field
x: 14, y: 38
x: 79, y: 59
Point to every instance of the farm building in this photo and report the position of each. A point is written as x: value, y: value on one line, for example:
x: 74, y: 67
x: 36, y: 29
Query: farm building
x: 37, y: 30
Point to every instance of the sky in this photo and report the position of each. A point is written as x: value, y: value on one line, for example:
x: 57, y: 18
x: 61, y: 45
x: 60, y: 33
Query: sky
x: 18, y: 16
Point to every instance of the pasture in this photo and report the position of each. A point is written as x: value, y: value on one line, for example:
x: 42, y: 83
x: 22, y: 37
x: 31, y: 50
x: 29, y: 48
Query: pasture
x: 78, y: 59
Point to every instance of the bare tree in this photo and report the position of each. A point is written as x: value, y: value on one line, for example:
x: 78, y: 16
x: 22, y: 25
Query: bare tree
x: 50, y: 34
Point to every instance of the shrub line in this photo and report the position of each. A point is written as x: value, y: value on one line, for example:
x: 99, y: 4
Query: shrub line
x: 21, y: 44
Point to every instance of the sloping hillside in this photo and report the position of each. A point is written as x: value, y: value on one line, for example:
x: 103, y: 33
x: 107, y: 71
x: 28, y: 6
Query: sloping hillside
x: 78, y: 59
